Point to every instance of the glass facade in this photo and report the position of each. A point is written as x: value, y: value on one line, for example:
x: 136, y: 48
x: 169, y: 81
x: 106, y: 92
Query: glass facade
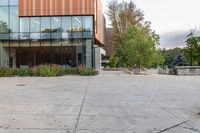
x: 65, y: 40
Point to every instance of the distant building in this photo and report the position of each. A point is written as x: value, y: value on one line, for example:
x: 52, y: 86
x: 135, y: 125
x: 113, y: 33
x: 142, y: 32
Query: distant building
x: 64, y: 32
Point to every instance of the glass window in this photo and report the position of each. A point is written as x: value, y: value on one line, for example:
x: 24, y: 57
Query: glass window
x: 3, y: 2
x: 24, y: 24
x: 35, y: 24
x: 66, y: 24
x: 35, y: 36
x: 66, y: 27
x: 45, y: 24
x: 13, y: 2
x: 56, y: 24
x: 4, y: 26
x: 45, y: 28
x: 4, y: 36
x: 88, y: 23
x: 77, y: 24
x: 14, y: 36
x: 14, y: 19
x: 24, y: 35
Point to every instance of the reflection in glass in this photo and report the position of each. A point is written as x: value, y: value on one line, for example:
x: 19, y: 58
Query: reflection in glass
x: 66, y: 24
x: 45, y: 24
x: 35, y: 24
x: 77, y: 24
x: 87, y: 23
x: 14, y: 19
x: 14, y: 36
x: 45, y: 28
x: 3, y: 2
x: 24, y: 24
x: 4, y: 26
x: 24, y: 36
x: 4, y: 36
x: 56, y: 24
x: 35, y: 36
x: 66, y: 27
x: 14, y: 2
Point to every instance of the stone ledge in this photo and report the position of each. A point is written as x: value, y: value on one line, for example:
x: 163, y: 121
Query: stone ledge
x: 188, y: 70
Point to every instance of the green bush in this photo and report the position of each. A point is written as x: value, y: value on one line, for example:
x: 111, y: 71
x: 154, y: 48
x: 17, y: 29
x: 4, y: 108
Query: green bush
x: 7, y: 72
x: 48, y: 71
x: 25, y: 72
x: 71, y: 70
x: 84, y: 71
x: 35, y: 71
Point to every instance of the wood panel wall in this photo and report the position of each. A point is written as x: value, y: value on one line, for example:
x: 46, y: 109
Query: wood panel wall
x: 55, y: 7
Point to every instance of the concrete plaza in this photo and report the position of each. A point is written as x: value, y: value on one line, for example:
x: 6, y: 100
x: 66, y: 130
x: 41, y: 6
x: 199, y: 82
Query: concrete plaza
x: 112, y: 102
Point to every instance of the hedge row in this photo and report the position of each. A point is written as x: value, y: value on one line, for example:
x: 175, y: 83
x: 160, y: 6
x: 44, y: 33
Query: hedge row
x: 46, y: 71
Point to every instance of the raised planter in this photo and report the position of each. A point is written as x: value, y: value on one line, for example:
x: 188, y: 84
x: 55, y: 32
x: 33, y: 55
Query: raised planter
x: 163, y: 71
x: 187, y: 70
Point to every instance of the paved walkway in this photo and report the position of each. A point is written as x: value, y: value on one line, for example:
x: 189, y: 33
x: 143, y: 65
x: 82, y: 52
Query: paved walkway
x: 108, y: 103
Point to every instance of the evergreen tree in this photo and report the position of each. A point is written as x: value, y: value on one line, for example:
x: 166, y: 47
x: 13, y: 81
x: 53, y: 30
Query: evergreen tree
x: 180, y: 60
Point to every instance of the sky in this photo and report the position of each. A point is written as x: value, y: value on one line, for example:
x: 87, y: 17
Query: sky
x: 171, y: 19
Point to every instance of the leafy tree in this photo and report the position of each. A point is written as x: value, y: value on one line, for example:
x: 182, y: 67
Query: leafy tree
x: 122, y: 15
x: 157, y: 58
x: 192, y: 50
x: 137, y: 47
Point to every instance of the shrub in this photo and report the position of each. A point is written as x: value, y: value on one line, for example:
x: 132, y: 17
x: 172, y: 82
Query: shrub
x: 173, y: 71
x: 71, y: 70
x: 35, y: 71
x: 48, y: 70
x: 84, y: 71
x: 7, y: 72
x: 25, y: 72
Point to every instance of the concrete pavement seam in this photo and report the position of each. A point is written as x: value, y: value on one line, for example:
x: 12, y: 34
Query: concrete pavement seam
x: 86, y: 90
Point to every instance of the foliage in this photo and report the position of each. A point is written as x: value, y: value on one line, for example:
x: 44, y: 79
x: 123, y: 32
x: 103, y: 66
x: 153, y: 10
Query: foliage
x: 134, y: 40
x: 123, y: 15
x: 192, y: 50
x: 180, y: 60
x: 137, y: 47
x: 84, y: 71
x: 35, y: 71
x: 157, y: 58
x: 25, y: 72
x: 46, y: 71
x: 170, y: 55
x: 113, y: 61
x: 7, y: 72
x: 71, y: 70
x: 49, y: 70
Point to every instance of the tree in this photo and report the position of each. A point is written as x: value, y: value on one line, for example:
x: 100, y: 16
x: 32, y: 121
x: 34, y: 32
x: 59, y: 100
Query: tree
x: 137, y: 47
x: 157, y: 58
x: 180, y: 60
x: 192, y: 50
x: 169, y: 56
x: 3, y: 27
x: 122, y: 15
x: 134, y: 40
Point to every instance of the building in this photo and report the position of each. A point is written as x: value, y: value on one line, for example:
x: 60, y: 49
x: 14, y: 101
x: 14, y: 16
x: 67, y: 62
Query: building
x: 109, y: 45
x: 64, y: 32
